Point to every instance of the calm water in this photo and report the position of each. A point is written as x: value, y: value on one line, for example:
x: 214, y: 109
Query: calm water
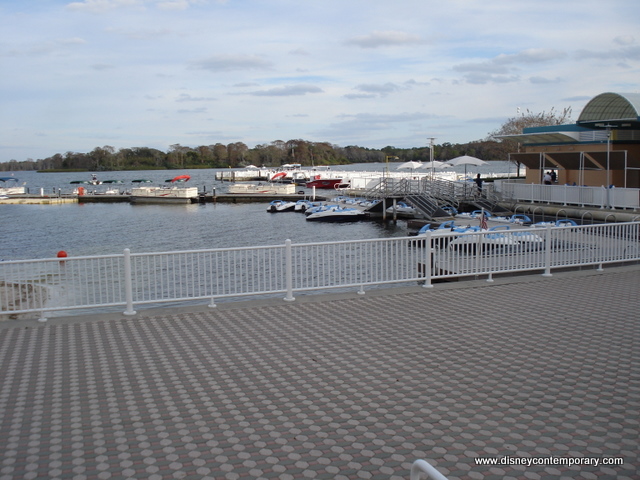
x: 40, y: 231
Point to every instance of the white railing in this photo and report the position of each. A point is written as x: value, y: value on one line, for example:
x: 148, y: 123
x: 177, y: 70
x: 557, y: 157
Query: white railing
x: 571, y: 195
x: 129, y: 280
x: 421, y: 466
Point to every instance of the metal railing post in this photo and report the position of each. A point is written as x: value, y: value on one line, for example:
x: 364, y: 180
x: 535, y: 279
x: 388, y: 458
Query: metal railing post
x: 128, y: 283
x: 288, y: 265
x: 421, y: 466
x: 428, y: 261
x: 547, y: 252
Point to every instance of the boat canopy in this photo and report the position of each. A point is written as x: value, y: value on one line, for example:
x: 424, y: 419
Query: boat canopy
x: 112, y: 181
x: 77, y: 182
x: 6, y: 179
x: 141, y: 180
x: 279, y: 175
x: 179, y: 178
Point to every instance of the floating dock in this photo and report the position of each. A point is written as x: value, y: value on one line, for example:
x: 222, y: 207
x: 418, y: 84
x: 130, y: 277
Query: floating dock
x: 39, y: 200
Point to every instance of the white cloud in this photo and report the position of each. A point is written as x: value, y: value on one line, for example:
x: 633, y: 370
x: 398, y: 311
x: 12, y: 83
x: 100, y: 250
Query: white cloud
x: 102, y: 6
x: 529, y: 56
x: 384, y: 39
x: 625, y: 40
x: 185, y: 97
x: 229, y: 63
x: 287, y: 91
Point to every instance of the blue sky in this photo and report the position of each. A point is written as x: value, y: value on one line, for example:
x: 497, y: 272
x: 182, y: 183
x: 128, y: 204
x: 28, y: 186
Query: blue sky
x: 131, y: 73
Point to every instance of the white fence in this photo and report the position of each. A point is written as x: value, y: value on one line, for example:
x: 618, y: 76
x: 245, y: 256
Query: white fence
x: 571, y: 195
x: 129, y: 280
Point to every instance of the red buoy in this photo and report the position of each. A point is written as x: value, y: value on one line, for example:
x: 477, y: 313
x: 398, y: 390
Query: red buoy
x: 62, y: 254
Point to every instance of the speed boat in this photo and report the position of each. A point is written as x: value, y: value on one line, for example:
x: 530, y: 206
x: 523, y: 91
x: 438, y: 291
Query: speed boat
x: 336, y: 213
x: 565, y: 222
x: 473, y: 236
x: 403, y: 209
x: 518, y: 218
x: 304, y: 205
x: 327, y: 183
x: 281, y: 206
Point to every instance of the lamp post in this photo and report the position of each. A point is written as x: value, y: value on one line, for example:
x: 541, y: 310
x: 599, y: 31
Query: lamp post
x: 608, y: 127
x: 431, y: 139
x: 608, y: 154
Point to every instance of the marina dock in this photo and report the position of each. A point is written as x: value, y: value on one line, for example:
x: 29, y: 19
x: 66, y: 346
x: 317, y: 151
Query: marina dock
x: 204, y: 198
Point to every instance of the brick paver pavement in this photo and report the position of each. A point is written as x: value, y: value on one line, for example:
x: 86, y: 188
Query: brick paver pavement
x: 334, y: 387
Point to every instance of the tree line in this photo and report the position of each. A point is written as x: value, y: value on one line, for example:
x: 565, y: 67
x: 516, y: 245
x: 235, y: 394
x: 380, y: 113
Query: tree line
x: 233, y: 155
x: 277, y: 153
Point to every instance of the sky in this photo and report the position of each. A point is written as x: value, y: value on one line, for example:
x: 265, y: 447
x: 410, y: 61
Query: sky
x: 76, y: 75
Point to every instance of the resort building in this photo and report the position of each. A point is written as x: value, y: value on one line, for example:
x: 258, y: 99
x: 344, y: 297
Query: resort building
x: 601, y: 149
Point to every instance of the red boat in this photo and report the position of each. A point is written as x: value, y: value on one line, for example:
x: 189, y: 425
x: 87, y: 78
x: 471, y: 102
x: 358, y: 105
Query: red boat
x: 324, y: 182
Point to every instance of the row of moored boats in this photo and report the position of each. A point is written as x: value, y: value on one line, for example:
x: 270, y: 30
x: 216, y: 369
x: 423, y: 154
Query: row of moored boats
x: 339, y: 209
x: 460, y: 236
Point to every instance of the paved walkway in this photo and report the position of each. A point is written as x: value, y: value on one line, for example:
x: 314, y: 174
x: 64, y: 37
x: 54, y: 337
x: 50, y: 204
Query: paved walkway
x: 334, y: 387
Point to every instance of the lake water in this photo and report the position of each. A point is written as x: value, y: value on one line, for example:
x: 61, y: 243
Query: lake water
x: 40, y: 231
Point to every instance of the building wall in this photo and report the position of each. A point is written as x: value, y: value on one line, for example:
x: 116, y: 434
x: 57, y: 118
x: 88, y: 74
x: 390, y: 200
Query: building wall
x: 590, y: 177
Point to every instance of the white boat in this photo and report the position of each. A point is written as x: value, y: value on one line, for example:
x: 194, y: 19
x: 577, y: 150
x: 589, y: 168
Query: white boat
x: 403, y: 209
x: 9, y: 186
x: 164, y: 195
x: 262, y: 188
x: 281, y: 206
x: 290, y: 173
x: 336, y: 213
x: 519, y: 218
x: 463, y: 237
x: 567, y: 222
x: 474, y: 236
x: 304, y: 205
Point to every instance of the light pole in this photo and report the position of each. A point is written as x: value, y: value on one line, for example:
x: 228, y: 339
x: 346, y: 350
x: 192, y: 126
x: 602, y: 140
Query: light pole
x: 608, y: 154
x: 608, y: 127
x: 431, y: 139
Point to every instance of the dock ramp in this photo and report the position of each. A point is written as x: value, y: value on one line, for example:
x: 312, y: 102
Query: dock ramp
x: 427, y: 206
x: 491, y: 207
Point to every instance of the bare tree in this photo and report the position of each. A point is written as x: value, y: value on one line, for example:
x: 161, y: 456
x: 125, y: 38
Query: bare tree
x: 528, y: 119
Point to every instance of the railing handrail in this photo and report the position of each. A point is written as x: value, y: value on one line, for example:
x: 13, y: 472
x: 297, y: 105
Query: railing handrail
x: 422, y: 466
x: 583, y: 195
x: 151, y: 278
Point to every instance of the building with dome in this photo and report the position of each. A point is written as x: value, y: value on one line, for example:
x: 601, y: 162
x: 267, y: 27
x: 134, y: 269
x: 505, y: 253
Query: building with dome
x: 601, y: 149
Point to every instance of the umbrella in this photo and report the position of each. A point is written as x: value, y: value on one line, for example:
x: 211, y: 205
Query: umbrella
x: 466, y: 160
x: 410, y: 165
x: 436, y: 164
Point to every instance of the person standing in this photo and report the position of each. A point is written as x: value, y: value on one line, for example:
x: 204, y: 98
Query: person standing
x: 478, y: 181
x: 546, y: 179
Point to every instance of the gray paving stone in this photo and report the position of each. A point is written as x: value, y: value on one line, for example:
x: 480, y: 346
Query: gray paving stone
x: 334, y: 387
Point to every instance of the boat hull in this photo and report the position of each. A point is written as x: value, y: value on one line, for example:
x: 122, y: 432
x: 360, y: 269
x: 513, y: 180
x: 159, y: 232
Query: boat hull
x: 325, y: 183
x: 164, y: 195
x: 162, y: 200
x: 264, y: 189
x: 337, y: 214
